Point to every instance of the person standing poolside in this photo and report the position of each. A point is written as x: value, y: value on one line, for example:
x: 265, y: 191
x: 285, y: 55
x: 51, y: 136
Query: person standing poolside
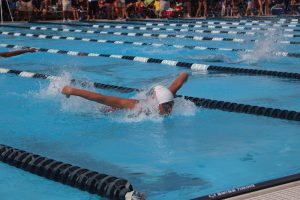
x: 17, y: 52
x: 163, y: 95
x: 200, y: 3
x: 92, y: 9
x: 66, y: 9
x: 26, y: 9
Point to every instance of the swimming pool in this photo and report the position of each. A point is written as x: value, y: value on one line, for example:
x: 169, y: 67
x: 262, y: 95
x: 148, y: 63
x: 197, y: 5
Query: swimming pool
x: 193, y: 152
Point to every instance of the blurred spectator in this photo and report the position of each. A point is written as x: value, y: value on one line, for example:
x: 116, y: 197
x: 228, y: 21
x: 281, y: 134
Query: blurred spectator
x: 200, y: 4
x: 121, y: 9
x: 249, y: 9
x: 157, y: 7
x: 164, y: 5
x: 267, y: 7
x: 37, y: 11
x: 75, y: 7
x: 260, y: 8
x: 92, y: 9
x: 109, y: 9
x: 150, y: 9
x: 101, y: 9
x: 187, y: 8
x: 66, y: 8
x: 26, y: 9
x: 140, y: 9
x: 130, y: 8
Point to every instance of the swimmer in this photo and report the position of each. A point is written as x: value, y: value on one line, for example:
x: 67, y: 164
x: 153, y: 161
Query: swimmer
x: 17, y: 52
x: 163, y: 95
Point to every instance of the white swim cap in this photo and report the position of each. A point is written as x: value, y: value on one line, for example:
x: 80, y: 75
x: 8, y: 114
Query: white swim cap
x: 163, y: 94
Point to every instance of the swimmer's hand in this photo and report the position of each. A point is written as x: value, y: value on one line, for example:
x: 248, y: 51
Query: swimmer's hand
x: 67, y: 90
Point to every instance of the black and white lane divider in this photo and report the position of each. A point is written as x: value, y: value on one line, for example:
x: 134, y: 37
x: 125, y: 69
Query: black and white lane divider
x: 198, y: 21
x: 271, y: 24
x: 198, y: 38
x: 189, y: 30
x: 120, y: 42
x: 83, y: 83
x: 84, y: 179
x: 200, y: 102
x: 192, y: 66
x: 253, y: 23
x: 186, y: 29
x: 210, y: 21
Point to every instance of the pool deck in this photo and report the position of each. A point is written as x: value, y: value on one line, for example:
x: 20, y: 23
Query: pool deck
x: 289, y: 191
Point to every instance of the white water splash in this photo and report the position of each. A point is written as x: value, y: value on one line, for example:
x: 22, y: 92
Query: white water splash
x: 73, y: 104
x: 184, y: 107
x: 264, y: 48
x: 55, y: 86
x: 146, y: 110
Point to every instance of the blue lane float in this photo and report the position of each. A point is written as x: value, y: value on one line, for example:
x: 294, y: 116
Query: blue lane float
x: 200, y: 102
x: 93, y: 182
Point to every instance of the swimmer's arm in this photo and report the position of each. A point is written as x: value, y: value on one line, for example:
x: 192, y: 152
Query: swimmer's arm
x: 115, y: 102
x: 15, y: 53
x: 178, y: 82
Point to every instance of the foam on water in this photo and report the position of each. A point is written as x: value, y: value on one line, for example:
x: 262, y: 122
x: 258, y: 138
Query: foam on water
x: 55, y: 86
x: 73, y: 104
x: 184, y: 107
x: 268, y: 42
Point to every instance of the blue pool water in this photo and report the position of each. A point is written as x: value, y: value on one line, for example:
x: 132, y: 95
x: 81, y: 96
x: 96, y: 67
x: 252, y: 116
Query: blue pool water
x: 191, y: 153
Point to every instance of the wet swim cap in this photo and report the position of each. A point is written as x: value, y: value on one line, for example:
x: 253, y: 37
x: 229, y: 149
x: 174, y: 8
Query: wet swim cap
x: 163, y: 94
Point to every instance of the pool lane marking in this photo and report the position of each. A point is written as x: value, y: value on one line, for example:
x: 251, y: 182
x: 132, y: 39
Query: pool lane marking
x: 179, y: 29
x: 201, y: 48
x: 198, y: 38
x: 200, y: 102
x: 192, y: 66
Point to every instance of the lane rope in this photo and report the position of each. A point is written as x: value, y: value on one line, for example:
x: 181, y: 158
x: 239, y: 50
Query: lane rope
x: 192, y: 66
x: 120, y: 42
x: 141, y: 34
x: 186, y: 26
x: 93, y: 182
x: 189, y: 30
x: 200, y: 102
x: 253, y: 23
x: 209, y: 22
x: 83, y: 83
x: 263, y: 20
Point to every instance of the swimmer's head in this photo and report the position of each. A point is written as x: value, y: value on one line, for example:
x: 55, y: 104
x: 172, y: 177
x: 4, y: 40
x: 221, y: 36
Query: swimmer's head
x: 163, y: 94
x: 165, y: 99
